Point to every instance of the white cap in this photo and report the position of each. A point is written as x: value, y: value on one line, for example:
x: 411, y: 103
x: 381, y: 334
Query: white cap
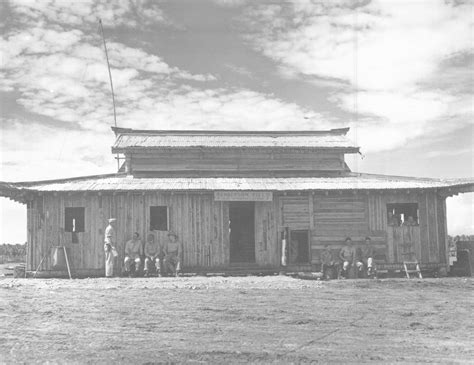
x: 112, y: 220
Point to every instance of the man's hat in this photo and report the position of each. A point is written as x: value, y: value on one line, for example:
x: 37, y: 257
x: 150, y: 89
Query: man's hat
x: 112, y: 220
x: 171, y: 233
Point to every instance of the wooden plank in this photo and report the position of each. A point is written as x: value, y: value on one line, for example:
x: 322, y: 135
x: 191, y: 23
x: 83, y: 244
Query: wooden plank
x: 443, y: 230
x: 391, y: 244
x: 432, y: 228
x: 424, y: 234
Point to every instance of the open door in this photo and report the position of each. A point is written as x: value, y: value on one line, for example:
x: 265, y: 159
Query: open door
x: 242, y: 232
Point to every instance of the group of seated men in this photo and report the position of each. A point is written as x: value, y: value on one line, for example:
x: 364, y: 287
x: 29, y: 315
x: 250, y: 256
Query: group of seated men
x: 350, y: 256
x: 161, y: 259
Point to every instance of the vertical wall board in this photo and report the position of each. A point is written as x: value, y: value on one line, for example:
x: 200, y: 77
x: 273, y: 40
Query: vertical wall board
x: 219, y: 230
x: 216, y: 246
x: 390, y: 244
x: 376, y: 213
x: 29, y: 239
x: 91, y: 218
x: 443, y: 224
x: 433, y: 229
x: 225, y: 233
x: 311, y: 211
x: 423, y: 221
x: 195, y: 246
x: 417, y: 242
x: 260, y: 232
x: 265, y: 233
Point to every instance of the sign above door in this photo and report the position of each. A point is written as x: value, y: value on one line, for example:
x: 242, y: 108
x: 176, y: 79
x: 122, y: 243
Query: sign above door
x: 257, y: 196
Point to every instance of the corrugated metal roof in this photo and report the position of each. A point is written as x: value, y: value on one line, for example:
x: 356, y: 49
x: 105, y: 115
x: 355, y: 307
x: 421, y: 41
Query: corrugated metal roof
x: 352, y: 181
x: 141, y: 140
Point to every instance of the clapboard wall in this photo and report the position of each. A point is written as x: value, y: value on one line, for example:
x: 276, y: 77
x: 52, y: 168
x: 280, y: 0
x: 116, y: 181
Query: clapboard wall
x: 333, y: 216
x: 234, y: 160
x: 202, y: 225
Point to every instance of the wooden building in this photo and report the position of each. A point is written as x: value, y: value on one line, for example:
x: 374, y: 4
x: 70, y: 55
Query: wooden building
x: 231, y: 197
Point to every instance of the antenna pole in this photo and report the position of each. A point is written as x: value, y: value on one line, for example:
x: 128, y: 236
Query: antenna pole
x: 110, y: 74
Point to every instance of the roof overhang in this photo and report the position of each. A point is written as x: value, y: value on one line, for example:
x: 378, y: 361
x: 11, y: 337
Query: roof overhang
x: 119, y: 183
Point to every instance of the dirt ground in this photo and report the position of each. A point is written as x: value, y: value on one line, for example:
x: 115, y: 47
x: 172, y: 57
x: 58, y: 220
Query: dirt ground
x: 273, y: 319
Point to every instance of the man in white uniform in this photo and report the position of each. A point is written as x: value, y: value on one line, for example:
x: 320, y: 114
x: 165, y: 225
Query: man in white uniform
x: 110, y: 240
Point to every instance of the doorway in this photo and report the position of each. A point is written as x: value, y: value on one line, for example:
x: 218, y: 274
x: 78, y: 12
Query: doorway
x: 299, y: 247
x: 242, y: 232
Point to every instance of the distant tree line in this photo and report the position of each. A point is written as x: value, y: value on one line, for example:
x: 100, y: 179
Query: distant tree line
x: 12, y: 252
x: 462, y: 237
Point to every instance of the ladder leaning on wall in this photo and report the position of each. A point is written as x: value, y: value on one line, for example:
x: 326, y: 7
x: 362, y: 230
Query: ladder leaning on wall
x: 412, y: 267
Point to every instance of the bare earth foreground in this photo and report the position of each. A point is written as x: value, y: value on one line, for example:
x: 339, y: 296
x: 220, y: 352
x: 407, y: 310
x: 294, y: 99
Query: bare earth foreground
x: 236, y: 320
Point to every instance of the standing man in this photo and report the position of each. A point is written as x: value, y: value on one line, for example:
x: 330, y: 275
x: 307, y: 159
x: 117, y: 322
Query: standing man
x: 153, y: 255
x: 133, y: 249
x: 172, y: 250
x: 368, y: 255
x: 110, y: 240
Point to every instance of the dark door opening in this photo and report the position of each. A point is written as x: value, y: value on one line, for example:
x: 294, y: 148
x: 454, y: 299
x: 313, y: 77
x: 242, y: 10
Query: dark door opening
x: 242, y: 232
x: 299, y: 247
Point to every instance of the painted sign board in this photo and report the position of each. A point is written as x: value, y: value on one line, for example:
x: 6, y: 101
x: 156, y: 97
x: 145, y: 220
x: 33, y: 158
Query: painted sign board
x: 257, y: 196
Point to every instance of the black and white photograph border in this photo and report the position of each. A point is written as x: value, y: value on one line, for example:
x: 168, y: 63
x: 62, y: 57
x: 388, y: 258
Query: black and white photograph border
x: 236, y: 181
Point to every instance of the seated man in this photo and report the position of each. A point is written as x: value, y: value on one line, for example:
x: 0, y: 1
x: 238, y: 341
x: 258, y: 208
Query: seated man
x: 349, y: 256
x: 172, y: 250
x: 328, y: 262
x: 133, y: 251
x: 153, y: 255
x: 368, y: 256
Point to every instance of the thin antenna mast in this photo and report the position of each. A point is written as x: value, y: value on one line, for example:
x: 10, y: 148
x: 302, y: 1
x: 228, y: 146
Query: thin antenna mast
x: 111, y: 84
x: 110, y: 74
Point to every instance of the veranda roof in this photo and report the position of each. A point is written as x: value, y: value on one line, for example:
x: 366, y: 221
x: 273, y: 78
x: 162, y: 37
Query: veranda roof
x: 122, y: 183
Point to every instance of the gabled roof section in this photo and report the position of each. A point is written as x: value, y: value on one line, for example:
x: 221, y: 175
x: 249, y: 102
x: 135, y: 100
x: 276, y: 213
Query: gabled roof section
x: 133, y: 139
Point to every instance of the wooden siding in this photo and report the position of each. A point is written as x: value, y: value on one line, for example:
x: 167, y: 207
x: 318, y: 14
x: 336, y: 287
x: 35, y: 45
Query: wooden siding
x: 266, y: 233
x: 338, y: 216
x: 202, y: 225
x: 427, y: 238
x: 236, y: 160
x: 295, y: 212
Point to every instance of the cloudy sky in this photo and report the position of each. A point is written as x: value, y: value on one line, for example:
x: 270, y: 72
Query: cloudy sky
x: 399, y: 73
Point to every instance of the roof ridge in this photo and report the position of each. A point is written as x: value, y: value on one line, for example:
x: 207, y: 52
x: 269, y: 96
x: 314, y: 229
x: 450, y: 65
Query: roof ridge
x: 333, y: 131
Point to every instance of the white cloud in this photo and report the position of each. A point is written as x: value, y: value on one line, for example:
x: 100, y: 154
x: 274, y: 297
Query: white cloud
x: 67, y: 79
x: 52, y: 152
x: 230, y: 3
x: 385, y: 50
x: 77, y: 13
